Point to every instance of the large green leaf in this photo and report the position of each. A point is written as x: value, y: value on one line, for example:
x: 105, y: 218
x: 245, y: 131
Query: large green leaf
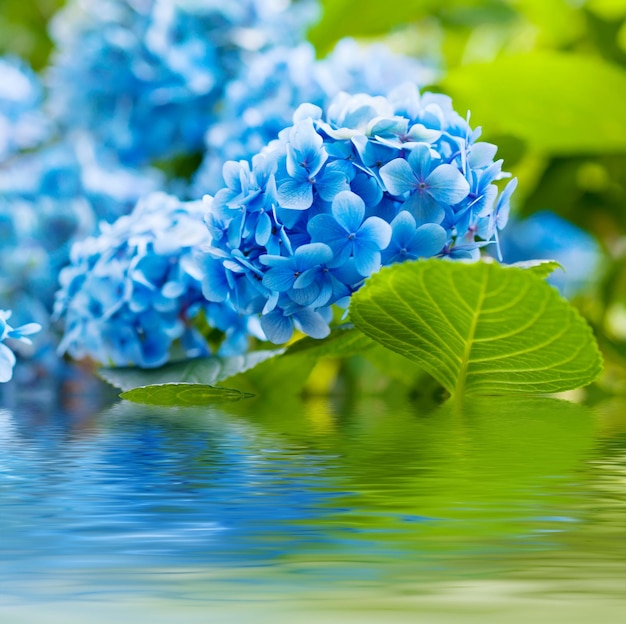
x: 182, y: 395
x: 206, y: 371
x: 558, y: 103
x: 479, y: 328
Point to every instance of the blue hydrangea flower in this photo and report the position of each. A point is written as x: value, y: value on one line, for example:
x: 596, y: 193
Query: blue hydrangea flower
x: 51, y: 198
x: 371, y: 181
x: 20, y: 334
x: 22, y: 123
x: 261, y: 101
x: 547, y: 235
x: 349, y: 235
x: 145, y: 76
x: 131, y: 294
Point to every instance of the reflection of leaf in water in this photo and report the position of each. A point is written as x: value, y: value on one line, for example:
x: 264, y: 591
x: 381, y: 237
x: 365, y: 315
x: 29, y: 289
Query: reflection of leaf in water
x: 492, y: 464
x: 407, y: 482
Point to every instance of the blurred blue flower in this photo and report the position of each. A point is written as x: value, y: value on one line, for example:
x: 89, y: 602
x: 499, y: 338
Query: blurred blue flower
x: 51, y: 198
x: 23, y: 125
x: 19, y: 334
x: 144, y: 77
x: 545, y: 235
x: 261, y: 101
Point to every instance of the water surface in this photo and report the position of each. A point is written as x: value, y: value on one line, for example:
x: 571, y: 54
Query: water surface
x: 284, y: 510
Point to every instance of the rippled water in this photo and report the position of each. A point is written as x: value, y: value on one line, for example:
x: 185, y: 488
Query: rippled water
x: 308, y: 511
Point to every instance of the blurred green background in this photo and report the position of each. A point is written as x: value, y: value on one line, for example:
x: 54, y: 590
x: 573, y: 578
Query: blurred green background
x: 546, y: 79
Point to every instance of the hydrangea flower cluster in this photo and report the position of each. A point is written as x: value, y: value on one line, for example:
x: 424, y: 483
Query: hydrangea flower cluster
x: 21, y: 334
x: 261, y: 101
x: 50, y: 198
x: 376, y: 180
x: 22, y: 123
x: 132, y: 292
x: 144, y: 76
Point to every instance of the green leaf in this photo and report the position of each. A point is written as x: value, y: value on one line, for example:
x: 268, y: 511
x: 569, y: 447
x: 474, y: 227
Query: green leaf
x: 282, y: 375
x: 182, y: 395
x: 207, y: 371
x: 541, y: 268
x: 479, y: 328
x: 342, y: 18
x: 557, y: 102
x: 343, y: 341
x: 608, y: 9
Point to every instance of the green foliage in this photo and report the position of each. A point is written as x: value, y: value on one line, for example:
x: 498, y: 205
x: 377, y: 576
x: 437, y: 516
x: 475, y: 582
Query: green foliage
x: 23, y: 28
x: 541, y: 268
x: 550, y: 100
x: 589, y: 192
x: 280, y: 376
x: 182, y: 395
x: 479, y: 328
x: 343, y: 341
x: 341, y: 18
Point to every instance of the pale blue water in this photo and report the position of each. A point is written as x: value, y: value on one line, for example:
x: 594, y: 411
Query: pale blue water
x: 303, y: 511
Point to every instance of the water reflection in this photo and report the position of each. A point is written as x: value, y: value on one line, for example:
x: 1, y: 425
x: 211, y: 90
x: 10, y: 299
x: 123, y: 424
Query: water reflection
x: 316, y: 496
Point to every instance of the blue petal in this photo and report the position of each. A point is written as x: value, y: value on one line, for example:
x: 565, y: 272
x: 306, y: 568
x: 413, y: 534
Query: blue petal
x: 403, y: 228
x: 324, y: 229
x: 368, y: 188
x: 349, y: 210
x: 421, y: 161
x: 305, y: 296
x: 311, y: 323
x: 277, y: 327
x: 25, y: 330
x: 503, y: 205
x: 325, y: 294
x: 263, y: 229
x: 331, y: 183
x: 424, y: 208
x: 306, y: 278
x: 173, y: 290
x: 481, y: 155
x: 398, y: 177
x: 313, y: 254
x: 446, y: 184
x: 280, y: 279
x: 7, y: 362
x: 230, y: 173
x: 429, y: 240
x: 375, y: 231
x: 366, y: 258
x: 295, y: 195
